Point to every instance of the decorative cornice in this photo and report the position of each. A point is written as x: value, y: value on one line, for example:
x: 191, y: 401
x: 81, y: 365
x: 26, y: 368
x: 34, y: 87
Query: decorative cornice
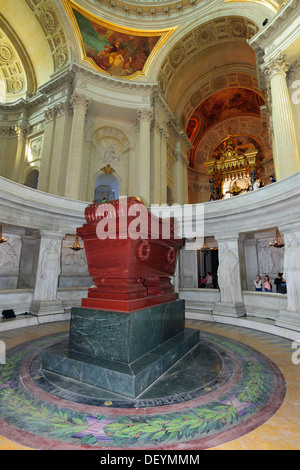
x: 147, y: 11
x: 111, y: 81
x: 281, y: 19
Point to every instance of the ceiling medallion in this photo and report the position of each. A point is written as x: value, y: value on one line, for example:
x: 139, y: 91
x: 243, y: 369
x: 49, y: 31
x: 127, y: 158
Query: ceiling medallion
x: 112, y: 49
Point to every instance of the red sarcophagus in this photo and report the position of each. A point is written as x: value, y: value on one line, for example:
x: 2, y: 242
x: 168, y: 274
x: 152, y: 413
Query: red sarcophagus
x: 131, y: 255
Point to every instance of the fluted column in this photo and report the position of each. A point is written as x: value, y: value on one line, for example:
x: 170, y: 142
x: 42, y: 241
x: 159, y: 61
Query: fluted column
x: 21, y: 132
x: 185, y: 163
x: 144, y: 162
x: 156, y: 165
x: 163, y: 171
x: 57, y: 172
x: 46, y: 160
x: 80, y: 105
x: 287, y: 153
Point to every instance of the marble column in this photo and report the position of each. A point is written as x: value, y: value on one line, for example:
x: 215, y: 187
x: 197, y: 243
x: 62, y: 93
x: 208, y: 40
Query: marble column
x: 178, y: 176
x: 80, y: 105
x: 163, y: 171
x: 231, y: 277
x: 45, y: 301
x: 131, y: 171
x: 287, y: 153
x: 290, y: 318
x: 185, y: 164
x: 143, y: 159
x: 156, y: 165
x: 188, y: 268
x: 21, y: 132
x: 46, y: 159
x: 61, y: 139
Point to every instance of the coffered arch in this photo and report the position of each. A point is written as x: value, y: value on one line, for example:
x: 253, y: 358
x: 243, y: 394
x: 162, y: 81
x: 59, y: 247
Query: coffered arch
x: 222, y: 78
x: 248, y: 126
x: 200, y: 51
x: 37, y: 42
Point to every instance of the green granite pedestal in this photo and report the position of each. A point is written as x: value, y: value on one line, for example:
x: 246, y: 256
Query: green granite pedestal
x: 122, y: 352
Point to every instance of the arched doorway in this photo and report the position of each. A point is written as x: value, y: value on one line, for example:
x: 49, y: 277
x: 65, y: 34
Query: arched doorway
x: 32, y: 179
x: 106, y: 186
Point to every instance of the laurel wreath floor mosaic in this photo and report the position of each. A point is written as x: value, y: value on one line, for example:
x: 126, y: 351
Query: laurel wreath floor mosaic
x: 221, y: 390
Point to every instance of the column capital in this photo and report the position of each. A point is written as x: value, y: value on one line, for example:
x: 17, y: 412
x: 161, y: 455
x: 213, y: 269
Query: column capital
x: 279, y: 65
x: 80, y: 101
x: 145, y: 115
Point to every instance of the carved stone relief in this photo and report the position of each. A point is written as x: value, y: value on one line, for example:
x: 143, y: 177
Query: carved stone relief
x: 11, y: 68
x: 73, y: 262
x: 111, y: 145
x: 54, y: 31
x: 292, y: 271
x: 206, y: 35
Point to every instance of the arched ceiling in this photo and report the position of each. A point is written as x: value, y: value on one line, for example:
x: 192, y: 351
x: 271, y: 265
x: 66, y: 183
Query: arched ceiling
x: 33, y: 46
x: 211, y: 46
x: 223, y: 106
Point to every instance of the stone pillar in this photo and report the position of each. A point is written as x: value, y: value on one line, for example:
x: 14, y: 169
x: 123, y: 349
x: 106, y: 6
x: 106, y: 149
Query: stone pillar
x: 185, y: 183
x: 293, y: 81
x: 45, y: 301
x: 8, y: 151
x: 290, y: 318
x: 131, y: 171
x: 61, y: 139
x: 188, y: 268
x: 163, y: 171
x: 143, y: 159
x: 80, y: 105
x: 46, y: 158
x: 231, y: 277
x: 287, y: 153
x: 21, y: 132
x: 178, y: 176
x: 156, y: 165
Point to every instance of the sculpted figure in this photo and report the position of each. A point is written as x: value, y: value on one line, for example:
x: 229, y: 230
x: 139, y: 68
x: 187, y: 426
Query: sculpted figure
x: 228, y: 275
x: 50, y: 271
x: 292, y: 271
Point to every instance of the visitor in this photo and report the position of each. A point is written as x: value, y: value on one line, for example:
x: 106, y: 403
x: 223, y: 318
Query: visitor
x: 267, y: 284
x: 272, y: 179
x: 214, y: 281
x: 258, y: 284
x: 256, y: 185
x: 278, y: 281
x: 282, y: 287
x: 208, y: 280
x: 203, y: 282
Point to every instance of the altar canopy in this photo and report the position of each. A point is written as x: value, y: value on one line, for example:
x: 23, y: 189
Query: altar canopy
x: 232, y: 168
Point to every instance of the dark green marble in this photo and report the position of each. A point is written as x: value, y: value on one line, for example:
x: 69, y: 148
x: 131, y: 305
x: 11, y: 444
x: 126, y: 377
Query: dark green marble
x: 124, y: 336
x: 119, y: 352
x: 127, y: 379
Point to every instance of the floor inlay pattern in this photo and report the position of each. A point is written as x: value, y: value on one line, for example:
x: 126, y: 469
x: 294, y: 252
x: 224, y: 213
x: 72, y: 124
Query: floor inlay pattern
x: 220, y: 391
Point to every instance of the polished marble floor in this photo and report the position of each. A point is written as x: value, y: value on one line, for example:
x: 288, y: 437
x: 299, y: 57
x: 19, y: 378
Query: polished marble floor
x: 280, y: 432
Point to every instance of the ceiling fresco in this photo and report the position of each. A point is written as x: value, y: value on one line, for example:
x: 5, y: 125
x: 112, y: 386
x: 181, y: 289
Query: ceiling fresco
x: 112, y: 49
